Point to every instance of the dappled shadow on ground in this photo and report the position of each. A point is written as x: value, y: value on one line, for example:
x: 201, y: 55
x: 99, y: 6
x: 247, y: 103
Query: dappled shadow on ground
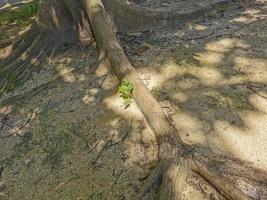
x: 211, y: 78
x: 71, y: 138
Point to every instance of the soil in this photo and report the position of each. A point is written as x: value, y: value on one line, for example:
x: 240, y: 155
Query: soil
x: 11, y: 31
x: 72, y: 138
x: 161, y: 4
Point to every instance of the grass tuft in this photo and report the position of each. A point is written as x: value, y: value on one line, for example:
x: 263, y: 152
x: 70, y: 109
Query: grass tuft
x: 126, y: 92
x: 21, y: 14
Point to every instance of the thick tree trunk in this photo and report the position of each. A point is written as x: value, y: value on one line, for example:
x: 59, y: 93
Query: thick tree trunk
x: 176, y: 160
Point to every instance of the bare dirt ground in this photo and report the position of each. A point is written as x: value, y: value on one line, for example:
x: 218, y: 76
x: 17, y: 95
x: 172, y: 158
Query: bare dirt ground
x: 72, y: 138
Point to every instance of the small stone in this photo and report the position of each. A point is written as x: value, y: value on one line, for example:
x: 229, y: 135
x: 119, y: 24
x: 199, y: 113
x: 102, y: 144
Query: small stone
x: 165, y: 4
x: 27, y: 161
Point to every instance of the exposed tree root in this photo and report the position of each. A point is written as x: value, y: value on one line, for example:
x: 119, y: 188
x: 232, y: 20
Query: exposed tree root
x: 20, y: 47
x: 57, y: 22
x: 20, y: 128
x: 175, y: 156
x: 132, y: 17
x: 25, y: 59
x: 28, y: 93
x: 154, y: 181
x: 222, y: 184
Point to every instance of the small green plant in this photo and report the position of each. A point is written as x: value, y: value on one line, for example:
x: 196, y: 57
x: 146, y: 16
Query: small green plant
x: 126, y: 92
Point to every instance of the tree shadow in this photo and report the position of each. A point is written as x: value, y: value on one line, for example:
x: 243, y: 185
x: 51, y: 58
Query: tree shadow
x: 210, y: 76
x: 79, y: 141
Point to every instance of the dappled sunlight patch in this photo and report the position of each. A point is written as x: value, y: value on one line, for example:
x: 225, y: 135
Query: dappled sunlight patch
x: 6, y: 109
x: 179, y: 96
x: 199, y: 27
x: 81, y: 77
x: 215, y: 52
x: 154, y: 78
x: 115, y: 103
x: 250, y: 15
x: 90, y: 96
x: 69, y: 78
x: 221, y: 46
x: 255, y: 68
x: 259, y: 102
x: 115, y: 123
x: 225, y: 45
x: 247, y: 143
x: 212, y: 59
x: 24, y: 30
x: 5, y: 52
x: 66, y: 73
x: 101, y: 69
x: 55, y: 17
x: 209, y: 76
x: 88, y: 99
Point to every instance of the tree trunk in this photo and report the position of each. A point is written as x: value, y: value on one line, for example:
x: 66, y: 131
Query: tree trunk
x: 62, y: 20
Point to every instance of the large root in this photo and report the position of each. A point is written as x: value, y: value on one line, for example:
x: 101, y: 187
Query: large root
x: 57, y: 22
x: 17, y: 68
x: 129, y: 16
x: 180, y: 158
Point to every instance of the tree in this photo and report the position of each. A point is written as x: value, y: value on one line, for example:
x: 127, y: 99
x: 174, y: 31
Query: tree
x: 60, y: 21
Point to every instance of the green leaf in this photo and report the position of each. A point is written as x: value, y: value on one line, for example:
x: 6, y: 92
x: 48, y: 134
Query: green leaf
x: 126, y: 92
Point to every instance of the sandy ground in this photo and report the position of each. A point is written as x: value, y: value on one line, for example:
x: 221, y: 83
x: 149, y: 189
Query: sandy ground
x: 73, y: 139
x: 212, y: 76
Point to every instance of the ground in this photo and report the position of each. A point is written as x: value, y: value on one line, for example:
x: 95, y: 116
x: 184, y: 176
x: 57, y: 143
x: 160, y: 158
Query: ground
x: 67, y: 135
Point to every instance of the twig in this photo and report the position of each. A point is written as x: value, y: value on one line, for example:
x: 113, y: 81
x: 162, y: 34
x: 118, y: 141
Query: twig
x: 20, y: 128
x: 124, y: 136
x: 1, y: 171
x: 255, y: 91
x: 124, y: 169
x: 102, y: 82
x: 94, y: 146
x: 200, y: 37
x: 106, y: 143
x: 101, y: 150
x: 61, y: 185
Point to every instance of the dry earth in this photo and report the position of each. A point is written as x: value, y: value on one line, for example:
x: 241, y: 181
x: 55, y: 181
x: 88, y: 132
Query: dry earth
x: 71, y: 138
